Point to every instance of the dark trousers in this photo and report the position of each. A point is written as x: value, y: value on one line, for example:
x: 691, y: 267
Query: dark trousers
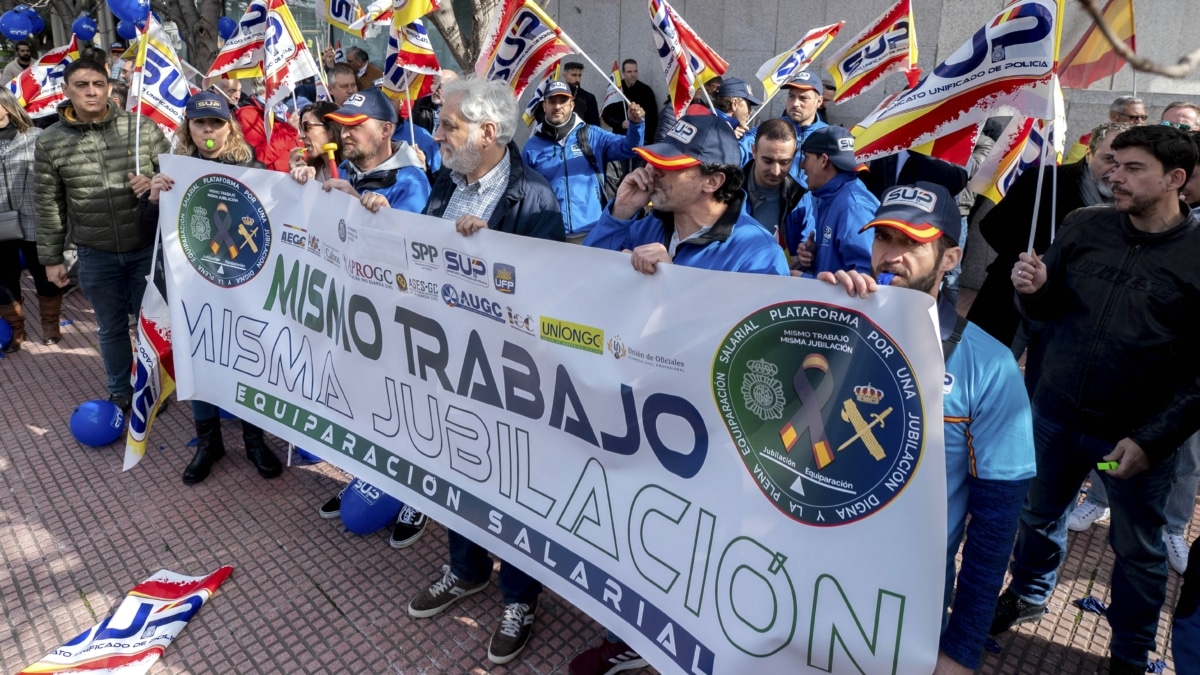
x: 1139, y: 578
x: 471, y: 563
x: 10, y: 271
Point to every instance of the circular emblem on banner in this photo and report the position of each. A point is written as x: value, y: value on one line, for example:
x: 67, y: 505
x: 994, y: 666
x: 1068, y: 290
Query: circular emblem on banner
x: 823, y: 408
x: 224, y: 230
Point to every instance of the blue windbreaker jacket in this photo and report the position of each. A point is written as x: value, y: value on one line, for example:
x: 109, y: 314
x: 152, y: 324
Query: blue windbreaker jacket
x: 834, y: 213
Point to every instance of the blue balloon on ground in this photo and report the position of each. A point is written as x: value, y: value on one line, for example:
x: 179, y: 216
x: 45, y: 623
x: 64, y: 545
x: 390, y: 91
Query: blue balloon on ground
x: 226, y: 415
x: 308, y: 457
x: 84, y: 27
x: 97, y: 423
x: 367, y: 509
x: 130, y: 10
x: 5, y: 333
x: 127, y: 29
x: 226, y: 27
x: 14, y: 25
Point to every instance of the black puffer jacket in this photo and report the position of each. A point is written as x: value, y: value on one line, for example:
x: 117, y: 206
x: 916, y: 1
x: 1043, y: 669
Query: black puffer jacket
x: 1120, y: 358
x: 82, y: 175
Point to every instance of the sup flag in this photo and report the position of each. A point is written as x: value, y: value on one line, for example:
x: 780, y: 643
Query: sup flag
x: 405, y: 12
x: 377, y: 13
x: 286, y: 58
x: 39, y: 88
x: 340, y: 14
x: 415, y: 50
x: 401, y: 81
x: 153, y: 371
x: 886, y: 46
x: 704, y: 63
x: 681, y: 81
x: 613, y: 94
x: 1092, y: 58
x: 1021, y: 147
x: 540, y: 93
x: 1006, y: 68
x: 134, y: 636
x: 521, y: 45
x: 161, y: 89
x: 779, y: 69
x: 242, y: 55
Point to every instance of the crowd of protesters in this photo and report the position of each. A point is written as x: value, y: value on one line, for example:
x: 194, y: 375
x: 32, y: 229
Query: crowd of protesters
x: 1097, y: 307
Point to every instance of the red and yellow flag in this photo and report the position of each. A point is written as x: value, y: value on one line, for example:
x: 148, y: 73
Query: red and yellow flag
x: 886, y: 46
x: 1092, y: 58
x: 521, y: 45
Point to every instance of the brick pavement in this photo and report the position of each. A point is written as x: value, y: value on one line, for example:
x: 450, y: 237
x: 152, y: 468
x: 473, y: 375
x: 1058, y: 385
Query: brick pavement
x: 76, y: 533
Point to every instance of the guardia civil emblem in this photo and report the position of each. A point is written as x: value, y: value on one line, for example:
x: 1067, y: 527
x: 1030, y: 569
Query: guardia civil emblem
x: 823, y: 409
x: 761, y: 391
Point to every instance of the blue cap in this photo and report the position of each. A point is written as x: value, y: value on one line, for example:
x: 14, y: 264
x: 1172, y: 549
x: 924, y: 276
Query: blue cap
x: 364, y: 105
x: 924, y: 212
x: 206, y: 105
x: 558, y: 88
x: 805, y: 79
x: 735, y: 87
x: 836, y: 142
x: 695, y: 139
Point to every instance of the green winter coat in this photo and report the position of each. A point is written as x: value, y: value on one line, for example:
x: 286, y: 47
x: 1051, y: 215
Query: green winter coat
x: 82, y: 177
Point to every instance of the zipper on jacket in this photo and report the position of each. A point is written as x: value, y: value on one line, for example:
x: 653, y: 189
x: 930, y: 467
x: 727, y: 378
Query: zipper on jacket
x: 567, y: 183
x: 1104, y: 317
x: 104, y: 173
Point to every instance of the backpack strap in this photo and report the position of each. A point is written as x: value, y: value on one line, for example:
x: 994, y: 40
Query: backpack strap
x: 950, y: 343
x: 585, y: 147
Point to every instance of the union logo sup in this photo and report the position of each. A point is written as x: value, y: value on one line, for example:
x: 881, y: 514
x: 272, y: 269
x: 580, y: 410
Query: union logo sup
x: 823, y: 409
x: 224, y: 230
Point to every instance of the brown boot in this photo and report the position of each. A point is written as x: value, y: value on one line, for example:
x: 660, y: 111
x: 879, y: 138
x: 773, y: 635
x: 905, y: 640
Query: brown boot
x: 15, y: 316
x: 51, y: 309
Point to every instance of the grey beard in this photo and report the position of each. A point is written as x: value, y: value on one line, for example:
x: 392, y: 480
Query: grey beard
x: 464, y: 160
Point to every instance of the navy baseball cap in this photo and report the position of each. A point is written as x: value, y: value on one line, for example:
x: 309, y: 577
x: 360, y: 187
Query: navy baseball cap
x: 364, y: 105
x: 805, y: 79
x: 924, y: 212
x: 837, y: 142
x: 117, y: 47
x: 694, y: 140
x: 557, y: 88
x: 736, y: 87
x: 207, y: 105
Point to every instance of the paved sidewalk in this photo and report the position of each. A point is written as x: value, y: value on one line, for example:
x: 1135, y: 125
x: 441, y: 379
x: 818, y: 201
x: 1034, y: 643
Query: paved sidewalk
x: 76, y: 533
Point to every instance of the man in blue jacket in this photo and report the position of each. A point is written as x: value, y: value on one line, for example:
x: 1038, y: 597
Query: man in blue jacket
x: 988, y: 423
x: 693, y: 180
x: 376, y: 171
x: 803, y: 100
x: 830, y: 218
x: 572, y: 155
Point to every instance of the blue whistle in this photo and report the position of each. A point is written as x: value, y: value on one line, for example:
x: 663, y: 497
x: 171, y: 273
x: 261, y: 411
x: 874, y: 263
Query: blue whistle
x: 885, y: 278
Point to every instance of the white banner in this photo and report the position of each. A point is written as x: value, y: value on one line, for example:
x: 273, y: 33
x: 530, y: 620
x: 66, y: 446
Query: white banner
x: 735, y: 473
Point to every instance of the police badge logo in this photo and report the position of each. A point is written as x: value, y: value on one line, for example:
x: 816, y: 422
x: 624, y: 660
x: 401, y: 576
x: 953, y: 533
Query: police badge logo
x: 201, y: 227
x: 829, y: 421
x: 230, y: 247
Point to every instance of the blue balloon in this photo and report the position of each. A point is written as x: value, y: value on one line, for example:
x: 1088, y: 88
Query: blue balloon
x: 84, y: 27
x: 36, y: 23
x: 226, y: 27
x: 226, y: 415
x: 97, y: 423
x: 14, y: 25
x: 5, y: 333
x: 307, y: 457
x: 130, y: 10
x: 127, y: 29
x: 367, y: 509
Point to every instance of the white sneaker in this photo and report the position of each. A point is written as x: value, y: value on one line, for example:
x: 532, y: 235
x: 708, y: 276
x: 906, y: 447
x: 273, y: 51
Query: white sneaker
x: 1177, y: 551
x: 1085, y: 514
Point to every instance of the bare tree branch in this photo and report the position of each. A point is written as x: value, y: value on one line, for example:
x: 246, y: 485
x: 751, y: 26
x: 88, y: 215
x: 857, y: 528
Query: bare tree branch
x: 447, y: 24
x: 1186, y: 65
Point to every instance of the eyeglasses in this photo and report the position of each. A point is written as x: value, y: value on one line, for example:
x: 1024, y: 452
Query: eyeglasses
x: 308, y: 126
x: 1135, y: 118
x: 1183, y: 126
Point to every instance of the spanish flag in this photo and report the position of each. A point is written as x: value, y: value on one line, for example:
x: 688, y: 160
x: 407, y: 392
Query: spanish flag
x: 1092, y: 58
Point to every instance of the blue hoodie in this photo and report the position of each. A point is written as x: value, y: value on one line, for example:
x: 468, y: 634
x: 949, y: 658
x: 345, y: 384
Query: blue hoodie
x: 834, y: 213
x: 575, y: 183
x: 399, y: 179
x: 735, y: 243
x: 405, y: 133
x: 801, y: 134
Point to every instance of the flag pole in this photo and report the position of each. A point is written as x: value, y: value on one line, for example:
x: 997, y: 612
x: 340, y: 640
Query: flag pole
x: 571, y: 43
x: 412, y: 131
x: 140, y: 64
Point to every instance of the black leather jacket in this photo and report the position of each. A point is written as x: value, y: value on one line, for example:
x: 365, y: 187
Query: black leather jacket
x: 1121, y: 359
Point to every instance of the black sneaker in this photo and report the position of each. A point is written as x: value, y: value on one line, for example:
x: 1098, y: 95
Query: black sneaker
x: 515, y: 628
x: 443, y: 593
x: 410, y: 525
x: 605, y: 659
x: 123, y: 401
x: 332, y: 508
x: 1013, y: 611
x: 1118, y: 667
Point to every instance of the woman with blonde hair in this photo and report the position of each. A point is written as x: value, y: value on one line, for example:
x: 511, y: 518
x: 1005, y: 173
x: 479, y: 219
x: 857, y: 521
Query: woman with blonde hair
x: 18, y: 226
x: 211, y: 134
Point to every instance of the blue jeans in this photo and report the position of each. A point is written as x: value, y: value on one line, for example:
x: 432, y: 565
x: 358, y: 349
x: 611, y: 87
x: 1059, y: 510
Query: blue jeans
x: 1181, y: 503
x: 114, y: 284
x: 1139, y: 578
x: 471, y: 563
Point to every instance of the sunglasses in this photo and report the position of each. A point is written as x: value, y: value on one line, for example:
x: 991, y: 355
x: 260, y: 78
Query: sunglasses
x: 1135, y: 118
x: 1183, y: 126
x: 308, y: 126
